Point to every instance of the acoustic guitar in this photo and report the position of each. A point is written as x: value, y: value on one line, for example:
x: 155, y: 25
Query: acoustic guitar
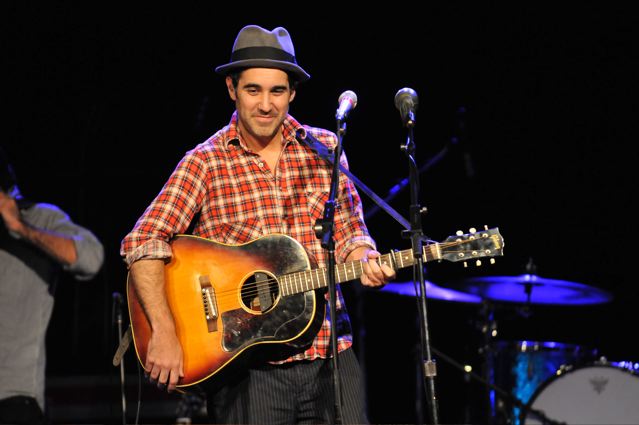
x: 226, y: 299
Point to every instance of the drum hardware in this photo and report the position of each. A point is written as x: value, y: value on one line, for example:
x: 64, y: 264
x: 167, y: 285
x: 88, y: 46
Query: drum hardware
x: 523, y: 291
x: 522, y: 366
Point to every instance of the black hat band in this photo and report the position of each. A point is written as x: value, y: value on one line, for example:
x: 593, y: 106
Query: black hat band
x: 262, y: 52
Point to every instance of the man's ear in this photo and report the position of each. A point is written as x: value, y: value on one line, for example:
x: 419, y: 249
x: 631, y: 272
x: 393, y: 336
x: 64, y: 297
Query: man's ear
x: 290, y: 99
x: 231, y: 89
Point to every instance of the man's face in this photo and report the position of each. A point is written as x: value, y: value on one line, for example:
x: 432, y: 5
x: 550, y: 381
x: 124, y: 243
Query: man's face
x: 261, y: 99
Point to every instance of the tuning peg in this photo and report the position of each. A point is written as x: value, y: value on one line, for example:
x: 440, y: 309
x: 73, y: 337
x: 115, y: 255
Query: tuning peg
x: 492, y: 261
x: 465, y: 265
x: 478, y: 263
x: 459, y: 233
x: 485, y: 227
x: 472, y: 230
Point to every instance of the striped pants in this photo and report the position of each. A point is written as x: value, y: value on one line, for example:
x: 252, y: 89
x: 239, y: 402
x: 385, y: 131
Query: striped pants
x: 294, y: 393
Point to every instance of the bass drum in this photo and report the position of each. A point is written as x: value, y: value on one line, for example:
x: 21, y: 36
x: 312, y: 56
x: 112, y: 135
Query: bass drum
x: 603, y: 393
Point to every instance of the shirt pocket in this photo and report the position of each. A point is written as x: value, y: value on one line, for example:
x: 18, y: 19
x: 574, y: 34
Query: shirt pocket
x: 315, y: 202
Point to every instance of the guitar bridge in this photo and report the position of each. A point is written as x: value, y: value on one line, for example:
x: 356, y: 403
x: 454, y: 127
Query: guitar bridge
x: 210, y: 303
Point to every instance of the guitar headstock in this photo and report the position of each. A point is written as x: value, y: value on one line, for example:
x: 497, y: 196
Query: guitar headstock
x: 472, y: 246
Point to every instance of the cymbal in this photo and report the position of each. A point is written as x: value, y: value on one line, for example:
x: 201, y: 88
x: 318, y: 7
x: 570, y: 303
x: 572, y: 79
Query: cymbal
x: 432, y: 291
x: 532, y: 289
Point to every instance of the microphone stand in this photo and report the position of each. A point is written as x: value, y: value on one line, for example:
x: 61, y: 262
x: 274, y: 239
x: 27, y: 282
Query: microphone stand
x: 428, y: 366
x: 117, y: 306
x: 324, y: 231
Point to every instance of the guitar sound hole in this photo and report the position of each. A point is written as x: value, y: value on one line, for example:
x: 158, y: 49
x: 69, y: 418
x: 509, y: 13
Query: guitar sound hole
x: 259, y: 292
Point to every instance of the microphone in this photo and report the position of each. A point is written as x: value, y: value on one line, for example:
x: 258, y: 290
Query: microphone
x: 347, y: 101
x: 406, y: 101
x: 116, y: 312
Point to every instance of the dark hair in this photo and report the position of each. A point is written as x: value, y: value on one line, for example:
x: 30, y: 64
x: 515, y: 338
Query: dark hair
x: 293, y: 81
x: 7, y: 175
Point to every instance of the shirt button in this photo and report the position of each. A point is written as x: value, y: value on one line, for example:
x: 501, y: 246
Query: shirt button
x: 260, y: 164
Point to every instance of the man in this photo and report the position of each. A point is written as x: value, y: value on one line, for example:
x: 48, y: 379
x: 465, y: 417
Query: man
x: 251, y: 179
x: 38, y: 241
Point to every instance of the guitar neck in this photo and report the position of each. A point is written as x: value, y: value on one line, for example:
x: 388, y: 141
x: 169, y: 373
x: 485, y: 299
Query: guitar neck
x: 308, y: 280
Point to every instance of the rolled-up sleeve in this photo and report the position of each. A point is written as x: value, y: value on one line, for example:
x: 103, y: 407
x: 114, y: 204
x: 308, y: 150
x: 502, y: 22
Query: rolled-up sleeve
x: 89, y: 249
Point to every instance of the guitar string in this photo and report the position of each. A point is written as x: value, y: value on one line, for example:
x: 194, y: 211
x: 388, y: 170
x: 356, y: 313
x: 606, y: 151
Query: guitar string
x: 322, y: 271
x: 253, y: 290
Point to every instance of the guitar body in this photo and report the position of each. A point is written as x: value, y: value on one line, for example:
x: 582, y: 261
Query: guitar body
x: 226, y: 299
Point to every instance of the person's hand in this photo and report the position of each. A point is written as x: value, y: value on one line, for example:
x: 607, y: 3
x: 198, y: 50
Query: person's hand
x: 374, y: 274
x: 10, y: 213
x: 164, y: 360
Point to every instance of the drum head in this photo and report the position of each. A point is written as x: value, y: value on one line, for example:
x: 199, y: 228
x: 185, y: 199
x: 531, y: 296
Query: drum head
x: 593, y: 394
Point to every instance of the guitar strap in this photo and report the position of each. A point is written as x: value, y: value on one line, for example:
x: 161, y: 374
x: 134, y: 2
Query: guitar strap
x: 124, y: 345
x: 327, y: 155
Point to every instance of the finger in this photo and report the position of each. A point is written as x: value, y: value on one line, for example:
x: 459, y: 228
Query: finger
x: 173, y: 380
x: 163, y: 379
x: 389, y: 273
x: 153, y: 372
x: 375, y: 269
x: 370, y: 277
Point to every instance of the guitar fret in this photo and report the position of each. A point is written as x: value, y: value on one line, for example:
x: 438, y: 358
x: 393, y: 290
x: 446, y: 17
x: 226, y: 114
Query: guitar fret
x: 428, y: 253
x: 393, y: 261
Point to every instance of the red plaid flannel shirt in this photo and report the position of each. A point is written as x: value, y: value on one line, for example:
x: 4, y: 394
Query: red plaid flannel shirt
x: 239, y: 200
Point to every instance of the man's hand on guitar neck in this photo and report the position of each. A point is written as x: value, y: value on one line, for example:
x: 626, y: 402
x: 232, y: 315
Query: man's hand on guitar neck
x: 373, y: 274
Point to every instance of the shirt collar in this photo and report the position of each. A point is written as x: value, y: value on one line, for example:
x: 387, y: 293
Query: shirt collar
x: 290, y: 127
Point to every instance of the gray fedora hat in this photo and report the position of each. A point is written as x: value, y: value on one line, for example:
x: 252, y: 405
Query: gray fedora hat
x: 256, y: 47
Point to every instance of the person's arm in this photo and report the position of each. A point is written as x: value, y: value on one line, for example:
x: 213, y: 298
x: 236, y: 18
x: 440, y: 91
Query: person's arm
x: 353, y: 241
x: 59, y: 247
x: 164, y: 359
x: 146, y: 249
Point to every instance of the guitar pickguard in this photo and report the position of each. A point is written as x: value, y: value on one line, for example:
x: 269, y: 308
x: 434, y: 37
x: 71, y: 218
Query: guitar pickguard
x: 285, y: 322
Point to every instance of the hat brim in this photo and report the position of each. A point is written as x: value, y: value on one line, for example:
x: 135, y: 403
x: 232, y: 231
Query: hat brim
x: 263, y: 63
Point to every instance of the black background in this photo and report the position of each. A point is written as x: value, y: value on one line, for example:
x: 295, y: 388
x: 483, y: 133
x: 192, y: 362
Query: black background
x: 104, y: 100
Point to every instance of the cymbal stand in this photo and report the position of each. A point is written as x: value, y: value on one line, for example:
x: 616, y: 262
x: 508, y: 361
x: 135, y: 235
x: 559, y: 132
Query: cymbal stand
x: 488, y: 329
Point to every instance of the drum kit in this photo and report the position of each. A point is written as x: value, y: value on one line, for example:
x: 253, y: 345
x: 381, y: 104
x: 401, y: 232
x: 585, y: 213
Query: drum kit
x: 543, y: 382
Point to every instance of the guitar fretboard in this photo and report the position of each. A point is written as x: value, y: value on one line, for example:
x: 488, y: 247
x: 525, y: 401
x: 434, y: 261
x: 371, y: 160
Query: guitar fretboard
x: 308, y: 280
